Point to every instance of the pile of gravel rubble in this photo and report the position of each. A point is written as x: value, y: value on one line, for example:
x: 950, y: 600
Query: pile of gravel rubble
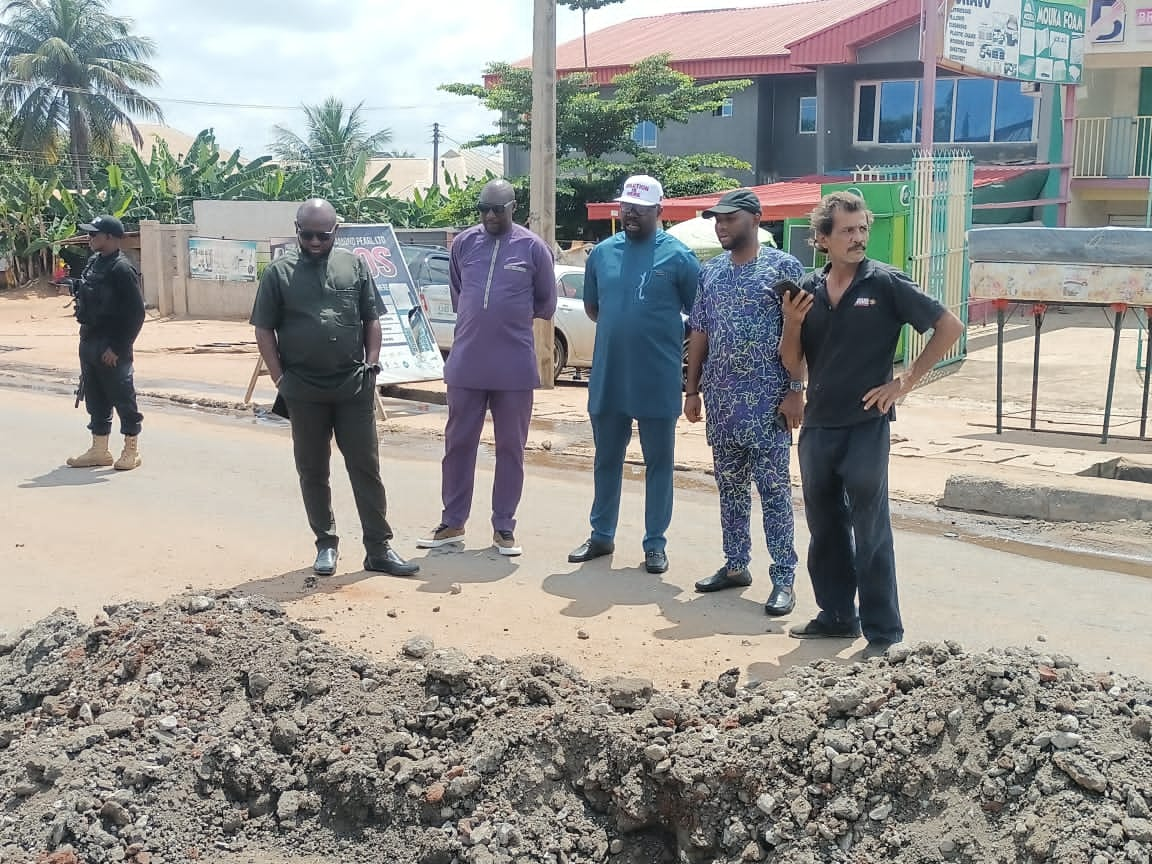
x: 214, y: 724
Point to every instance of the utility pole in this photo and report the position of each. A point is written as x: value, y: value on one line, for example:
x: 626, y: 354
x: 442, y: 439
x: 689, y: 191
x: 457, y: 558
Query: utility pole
x: 929, y: 47
x: 435, y: 155
x: 542, y: 205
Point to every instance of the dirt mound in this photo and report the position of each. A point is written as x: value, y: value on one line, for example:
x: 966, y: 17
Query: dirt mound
x: 214, y: 724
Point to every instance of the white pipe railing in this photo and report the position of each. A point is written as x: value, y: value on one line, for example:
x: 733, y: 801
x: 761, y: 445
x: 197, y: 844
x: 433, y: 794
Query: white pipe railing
x: 1118, y: 148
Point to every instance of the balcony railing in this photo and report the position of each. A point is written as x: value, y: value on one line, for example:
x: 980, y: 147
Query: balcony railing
x: 1114, y: 148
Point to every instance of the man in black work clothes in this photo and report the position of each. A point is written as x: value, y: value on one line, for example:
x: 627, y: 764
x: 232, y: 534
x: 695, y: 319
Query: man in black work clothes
x: 110, y: 309
x: 845, y: 325
x: 318, y: 330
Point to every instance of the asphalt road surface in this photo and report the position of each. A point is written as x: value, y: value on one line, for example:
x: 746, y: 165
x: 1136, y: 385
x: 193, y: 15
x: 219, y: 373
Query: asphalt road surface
x: 216, y: 505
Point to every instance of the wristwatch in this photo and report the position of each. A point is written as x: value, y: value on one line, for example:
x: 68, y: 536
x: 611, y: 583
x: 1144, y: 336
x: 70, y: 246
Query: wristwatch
x: 374, y: 368
x: 796, y: 386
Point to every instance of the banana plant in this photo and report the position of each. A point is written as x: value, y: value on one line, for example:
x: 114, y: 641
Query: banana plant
x: 38, y: 209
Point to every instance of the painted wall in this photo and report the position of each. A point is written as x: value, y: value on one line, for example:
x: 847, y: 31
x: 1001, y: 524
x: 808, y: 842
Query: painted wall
x: 784, y: 152
x: 902, y: 47
x: 1109, y: 92
x: 245, y: 220
x: 164, y: 273
x: 1090, y: 213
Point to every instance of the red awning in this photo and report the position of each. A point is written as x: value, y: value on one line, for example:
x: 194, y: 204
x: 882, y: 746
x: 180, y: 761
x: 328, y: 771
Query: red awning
x: 779, y: 200
x: 788, y: 199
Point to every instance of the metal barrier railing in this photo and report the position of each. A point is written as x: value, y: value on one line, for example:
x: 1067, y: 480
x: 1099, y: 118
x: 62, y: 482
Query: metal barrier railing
x: 1118, y: 148
x: 941, y: 217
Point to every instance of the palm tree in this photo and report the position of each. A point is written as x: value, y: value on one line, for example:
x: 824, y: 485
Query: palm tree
x: 70, y: 69
x: 334, y: 136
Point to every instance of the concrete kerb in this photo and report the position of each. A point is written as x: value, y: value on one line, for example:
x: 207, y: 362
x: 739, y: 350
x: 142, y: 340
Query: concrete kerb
x: 1059, y: 499
x: 420, y: 392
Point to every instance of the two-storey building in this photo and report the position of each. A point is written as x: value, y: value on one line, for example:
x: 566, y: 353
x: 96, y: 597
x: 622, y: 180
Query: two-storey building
x: 836, y: 86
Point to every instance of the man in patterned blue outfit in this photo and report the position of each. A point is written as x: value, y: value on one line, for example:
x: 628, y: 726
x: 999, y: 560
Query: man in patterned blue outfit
x: 750, y: 400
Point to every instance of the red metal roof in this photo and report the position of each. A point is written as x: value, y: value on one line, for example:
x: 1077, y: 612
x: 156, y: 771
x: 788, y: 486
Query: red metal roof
x: 790, y: 199
x: 836, y: 42
x: 722, y: 42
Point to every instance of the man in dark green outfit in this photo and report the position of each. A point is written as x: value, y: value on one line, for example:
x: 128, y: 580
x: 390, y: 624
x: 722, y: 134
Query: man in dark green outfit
x: 318, y: 329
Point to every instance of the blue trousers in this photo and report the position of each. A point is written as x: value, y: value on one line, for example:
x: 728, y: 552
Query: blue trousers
x: 845, y: 475
x: 612, y: 433
x: 737, y: 468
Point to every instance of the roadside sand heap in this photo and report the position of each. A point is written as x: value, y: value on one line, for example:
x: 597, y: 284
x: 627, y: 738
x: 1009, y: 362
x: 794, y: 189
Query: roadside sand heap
x: 170, y: 733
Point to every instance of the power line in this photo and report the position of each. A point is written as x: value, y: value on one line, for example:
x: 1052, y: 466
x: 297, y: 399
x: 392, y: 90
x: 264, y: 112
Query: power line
x: 311, y: 154
x: 206, y: 103
x: 310, y: 159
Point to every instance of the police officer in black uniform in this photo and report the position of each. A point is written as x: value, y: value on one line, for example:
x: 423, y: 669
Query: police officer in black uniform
x: 110, y: 309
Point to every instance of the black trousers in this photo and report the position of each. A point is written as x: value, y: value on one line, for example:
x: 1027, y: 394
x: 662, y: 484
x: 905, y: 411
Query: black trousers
x: 844, y: 472
x: 107, y: 388
x: 353, y: 424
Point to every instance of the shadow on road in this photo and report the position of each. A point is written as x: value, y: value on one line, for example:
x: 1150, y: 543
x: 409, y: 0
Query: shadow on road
x: 450, y: 565
x: 596, y: 588
x: 65, y: 476
x: 300, y: 583
x: 840, y: 652
x: 439, y: 571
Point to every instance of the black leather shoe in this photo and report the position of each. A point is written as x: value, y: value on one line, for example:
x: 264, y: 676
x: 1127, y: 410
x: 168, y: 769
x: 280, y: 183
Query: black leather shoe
x: 655, y: 562
x: 722, y: 579
x: 781, y: 601
x: 817, y: 628
x: 391, y: 563
x: 326, y: 558
x: 589, y: 550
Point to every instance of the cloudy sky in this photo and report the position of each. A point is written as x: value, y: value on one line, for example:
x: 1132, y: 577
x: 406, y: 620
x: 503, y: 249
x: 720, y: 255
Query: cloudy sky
x: 390, y: 54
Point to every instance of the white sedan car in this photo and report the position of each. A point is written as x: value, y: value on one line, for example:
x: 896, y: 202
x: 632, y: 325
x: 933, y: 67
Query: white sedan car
x: 575, y: 331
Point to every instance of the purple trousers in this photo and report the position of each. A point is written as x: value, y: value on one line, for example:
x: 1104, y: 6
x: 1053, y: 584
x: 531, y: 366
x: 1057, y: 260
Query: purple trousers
x: 511, y: 414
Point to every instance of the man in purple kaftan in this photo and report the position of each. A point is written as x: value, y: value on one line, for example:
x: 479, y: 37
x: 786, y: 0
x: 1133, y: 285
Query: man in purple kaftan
x: 502, y: 277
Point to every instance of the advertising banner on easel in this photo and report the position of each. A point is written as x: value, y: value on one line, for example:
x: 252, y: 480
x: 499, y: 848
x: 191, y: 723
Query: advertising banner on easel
x: 408, y: 352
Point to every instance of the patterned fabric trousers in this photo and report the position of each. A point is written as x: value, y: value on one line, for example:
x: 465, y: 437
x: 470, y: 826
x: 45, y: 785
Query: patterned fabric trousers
x: 737, y: 468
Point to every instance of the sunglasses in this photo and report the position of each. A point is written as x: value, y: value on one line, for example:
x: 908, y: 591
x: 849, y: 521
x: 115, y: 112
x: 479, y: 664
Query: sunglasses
x: 309, y: 236
x: 498, y: 209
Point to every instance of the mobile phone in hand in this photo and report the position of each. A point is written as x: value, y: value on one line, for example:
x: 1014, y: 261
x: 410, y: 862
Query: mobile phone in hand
x: 786, y: 286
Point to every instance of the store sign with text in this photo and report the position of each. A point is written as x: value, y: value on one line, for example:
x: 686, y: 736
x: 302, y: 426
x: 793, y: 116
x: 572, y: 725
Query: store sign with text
x: 1025, y: 40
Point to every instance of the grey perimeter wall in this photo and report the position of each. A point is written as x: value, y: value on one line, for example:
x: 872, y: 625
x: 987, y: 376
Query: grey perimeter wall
x: 245, y: 220
x: 164, y: 256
